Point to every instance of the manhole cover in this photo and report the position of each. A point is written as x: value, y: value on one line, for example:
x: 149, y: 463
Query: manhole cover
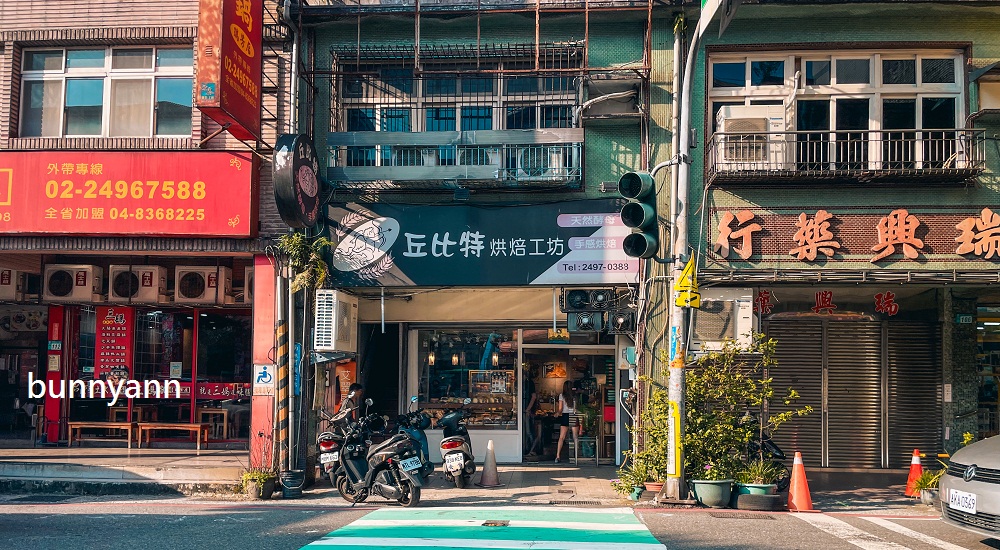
x: 42, y: 499
x: 739, y: 515
x: 496, y: 523
x: 575, y: 502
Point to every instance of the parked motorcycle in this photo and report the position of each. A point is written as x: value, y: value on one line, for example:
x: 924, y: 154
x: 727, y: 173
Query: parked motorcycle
x: 413, y: 423
x: 456, y: 447
x: 390, y: 469
x: 764, y: 448
x: 329, y: 442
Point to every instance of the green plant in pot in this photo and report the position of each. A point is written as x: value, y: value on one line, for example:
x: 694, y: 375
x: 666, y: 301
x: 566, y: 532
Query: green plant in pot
x: 258, y: 482
x: 632, y: 477
x: 927, y: 485
x: 652, y: 427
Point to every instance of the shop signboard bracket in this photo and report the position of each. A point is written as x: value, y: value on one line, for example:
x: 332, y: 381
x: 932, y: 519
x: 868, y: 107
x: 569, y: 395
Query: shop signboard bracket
x: 317, y: 357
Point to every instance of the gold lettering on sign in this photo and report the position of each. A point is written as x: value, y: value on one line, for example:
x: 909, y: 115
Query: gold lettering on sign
x: 814, y: 236
x: 899, y: 227
x: 744, y: 233
x: 981, y: 235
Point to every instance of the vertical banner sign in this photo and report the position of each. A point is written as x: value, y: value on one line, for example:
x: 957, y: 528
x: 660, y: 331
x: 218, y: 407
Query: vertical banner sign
x: 113, y: 352
x: 227, y: 87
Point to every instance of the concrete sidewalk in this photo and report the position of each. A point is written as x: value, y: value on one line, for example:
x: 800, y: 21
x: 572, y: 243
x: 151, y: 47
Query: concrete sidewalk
x: 214, y: 474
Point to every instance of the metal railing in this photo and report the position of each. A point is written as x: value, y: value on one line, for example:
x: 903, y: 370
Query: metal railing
x: 416, y: 167
x: 851, y: 155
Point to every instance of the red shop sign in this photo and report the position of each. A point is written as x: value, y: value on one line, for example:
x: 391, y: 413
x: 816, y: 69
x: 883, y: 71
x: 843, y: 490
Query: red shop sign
x: 113, y: 350
x: 196, y: 194
x: 217, y: 390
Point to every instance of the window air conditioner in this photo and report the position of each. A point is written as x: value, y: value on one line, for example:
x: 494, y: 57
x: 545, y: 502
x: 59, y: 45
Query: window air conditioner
x: 73, y: 283
x: 248, y: 284
x: 137, y: 283
x: 336, y: 328
x: 585, y: 321
x: 12, y: 284
x: 202, y: 284
x: 542, y: 163
x: 725, y: 313
x: 755, y: 138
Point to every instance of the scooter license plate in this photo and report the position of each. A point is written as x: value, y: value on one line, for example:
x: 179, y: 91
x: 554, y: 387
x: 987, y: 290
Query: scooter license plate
x: 329, y: 457
x: 410, y: 464
x: 454, y: 462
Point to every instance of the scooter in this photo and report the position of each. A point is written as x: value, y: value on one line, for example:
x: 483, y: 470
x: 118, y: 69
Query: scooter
x: 329, y: 442
x: 413, y: 424
x: 456, y: 447
x: 389, y: 469
x: 763, y: 447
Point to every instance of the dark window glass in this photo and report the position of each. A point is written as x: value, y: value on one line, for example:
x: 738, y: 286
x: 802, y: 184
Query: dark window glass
x: 853, y: 71
x: 729, y: 75
x: 522, y: 85
x: 84, y: 106
x: 898, y: 146
x: 557, y: 116
x: 767, y: 73
x: 477, y: 85
x: 939, y: 146
x: 400, y: 80
x: 173, y: 106
x: 360, y: 120
x: 440, y: 119
x: 477, y: 118
x: 938, y: 112
x: 852, y: 144
x: 937, y: 71
x: 47, y: 60
x: 899, y: 71
x: 521, y: 118
x: 817, y: 73
x: 440, y: 86
x: 899, y: 114
x: 812, y: 149
x: 395, y: 120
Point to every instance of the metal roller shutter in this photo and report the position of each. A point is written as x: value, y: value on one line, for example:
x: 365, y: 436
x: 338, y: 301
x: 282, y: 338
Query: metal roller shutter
x: 914, y: 399
x: 854, y: 394
x: 799, y: 353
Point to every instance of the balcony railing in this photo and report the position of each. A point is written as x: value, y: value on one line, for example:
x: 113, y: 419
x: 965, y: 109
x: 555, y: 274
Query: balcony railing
x: 414, y: 161
x: 889, y: 156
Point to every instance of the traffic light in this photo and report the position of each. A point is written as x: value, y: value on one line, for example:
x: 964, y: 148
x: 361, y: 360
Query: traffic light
x: 640, y: 214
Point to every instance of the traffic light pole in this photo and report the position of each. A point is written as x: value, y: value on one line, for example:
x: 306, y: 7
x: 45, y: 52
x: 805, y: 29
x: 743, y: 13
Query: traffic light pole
x: 675, y: 487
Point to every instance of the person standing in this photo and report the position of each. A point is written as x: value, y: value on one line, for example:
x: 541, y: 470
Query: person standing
x: 567, y: 406
x: 531, y: 399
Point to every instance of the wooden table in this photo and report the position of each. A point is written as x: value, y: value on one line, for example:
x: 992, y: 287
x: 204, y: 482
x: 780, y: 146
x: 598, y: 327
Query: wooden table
x: 200, y: 430
x: 210, y: 413
x: 77, y: 428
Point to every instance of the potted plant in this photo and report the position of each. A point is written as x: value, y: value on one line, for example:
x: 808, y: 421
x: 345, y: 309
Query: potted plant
x: 631, y: 480
x: 759, y: 477
x: 712, y: 486
x: 927, y: 484
x: 651, y: 459
x: 258, y: 482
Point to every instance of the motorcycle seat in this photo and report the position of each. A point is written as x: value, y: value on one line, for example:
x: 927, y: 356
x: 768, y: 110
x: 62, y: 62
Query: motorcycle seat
x: 387, y: 443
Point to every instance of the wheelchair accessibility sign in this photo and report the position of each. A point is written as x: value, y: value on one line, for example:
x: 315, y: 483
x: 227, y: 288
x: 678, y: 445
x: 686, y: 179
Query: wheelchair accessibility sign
x: 264, y: 376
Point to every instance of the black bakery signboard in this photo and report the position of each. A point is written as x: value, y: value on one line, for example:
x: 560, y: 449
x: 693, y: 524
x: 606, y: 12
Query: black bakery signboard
x: 571, y: 242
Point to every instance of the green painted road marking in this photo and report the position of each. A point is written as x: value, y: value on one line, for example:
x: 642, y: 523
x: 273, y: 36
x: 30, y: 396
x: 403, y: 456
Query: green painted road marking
x: 542, y: 528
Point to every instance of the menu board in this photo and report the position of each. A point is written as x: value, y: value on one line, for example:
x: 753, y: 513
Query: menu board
x: 113, y: 353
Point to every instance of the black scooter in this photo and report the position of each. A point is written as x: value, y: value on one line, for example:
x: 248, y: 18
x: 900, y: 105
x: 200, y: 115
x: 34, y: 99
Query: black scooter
x: 456, y: 447
x: 390, y: 469
x: 329, y: 443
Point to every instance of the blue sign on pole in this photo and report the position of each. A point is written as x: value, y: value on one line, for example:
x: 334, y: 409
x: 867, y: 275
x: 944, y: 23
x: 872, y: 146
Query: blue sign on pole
x: 673, y: 343
x: 298, y: 369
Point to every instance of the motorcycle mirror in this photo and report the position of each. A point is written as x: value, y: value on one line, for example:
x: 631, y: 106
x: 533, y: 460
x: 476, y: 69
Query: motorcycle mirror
x: 413, y: 399
x: 369, y: 402
x: 350, y: 395
x: 467, y: 401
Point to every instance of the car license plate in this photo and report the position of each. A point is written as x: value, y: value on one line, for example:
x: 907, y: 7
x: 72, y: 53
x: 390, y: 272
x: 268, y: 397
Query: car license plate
x: 410, y: 464
x: 454, y: 462
x: 962, y: 501
x: 329, y: 457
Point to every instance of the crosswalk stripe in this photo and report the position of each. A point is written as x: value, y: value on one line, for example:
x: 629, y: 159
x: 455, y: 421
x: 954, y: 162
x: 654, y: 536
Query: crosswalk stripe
x: 892, y: 526
x: 479, y: 522
x: 519, y: 528
x: 847, y: 532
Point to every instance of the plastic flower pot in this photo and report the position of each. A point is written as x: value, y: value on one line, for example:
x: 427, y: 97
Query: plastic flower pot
x: 714, y: 494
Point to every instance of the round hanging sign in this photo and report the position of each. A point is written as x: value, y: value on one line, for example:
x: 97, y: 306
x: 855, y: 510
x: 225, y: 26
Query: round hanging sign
x: 296, y: 180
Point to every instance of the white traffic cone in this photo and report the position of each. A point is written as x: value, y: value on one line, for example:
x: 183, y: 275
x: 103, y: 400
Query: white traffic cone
x: 490, y: 477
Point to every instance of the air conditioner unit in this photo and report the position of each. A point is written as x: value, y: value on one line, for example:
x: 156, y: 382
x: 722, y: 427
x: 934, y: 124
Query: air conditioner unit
x: 73, y: 283
x: 543, y: 163
x: 753, y: 138
x: 429, y: 157
x: 587, y: 299
x: 336, y: 328
x: 621, y: 321
x: 137, y: 283
x: 585, y: 321
x: 725, y: 313
x: 12, y: 284
x: 202, y: 284
x: 478, y: 156
x: 248, y: 284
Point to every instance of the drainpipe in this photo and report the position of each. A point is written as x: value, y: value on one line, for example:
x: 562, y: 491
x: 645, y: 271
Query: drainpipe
x: 293, y: 116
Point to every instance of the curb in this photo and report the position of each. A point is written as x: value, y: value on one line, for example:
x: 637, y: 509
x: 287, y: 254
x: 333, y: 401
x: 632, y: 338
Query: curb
x: 97, y: 488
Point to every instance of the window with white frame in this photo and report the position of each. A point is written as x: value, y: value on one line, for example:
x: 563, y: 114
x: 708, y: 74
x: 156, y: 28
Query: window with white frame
x: 849, y: 109
x: 447, y: 97
x: 106, y: 92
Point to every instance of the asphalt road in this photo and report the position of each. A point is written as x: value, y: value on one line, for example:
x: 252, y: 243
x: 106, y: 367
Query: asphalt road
x: 182, y: 523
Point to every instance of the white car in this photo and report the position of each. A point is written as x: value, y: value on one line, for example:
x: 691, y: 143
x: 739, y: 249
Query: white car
x: 970, y: 490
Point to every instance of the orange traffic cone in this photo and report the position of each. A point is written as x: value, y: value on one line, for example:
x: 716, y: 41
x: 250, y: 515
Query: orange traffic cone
x: 916, y: 469
x: 799, y: 499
